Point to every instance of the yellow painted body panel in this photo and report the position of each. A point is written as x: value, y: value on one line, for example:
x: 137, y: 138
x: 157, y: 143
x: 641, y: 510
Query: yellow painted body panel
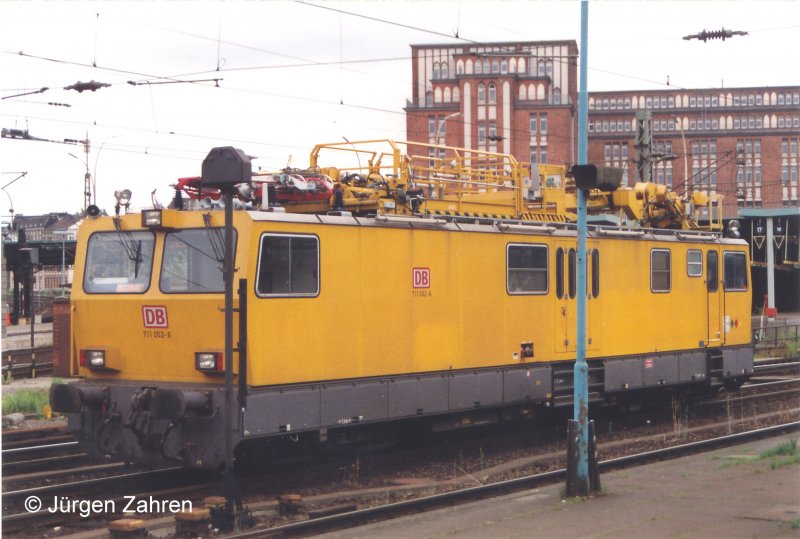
x: 369, y: 320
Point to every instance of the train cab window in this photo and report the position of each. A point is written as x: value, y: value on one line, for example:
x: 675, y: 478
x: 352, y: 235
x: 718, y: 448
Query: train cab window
x: 595, y: 273
x: 119, y: 262
x: 192, y: 261
x: 660, y: 270
x: 712, y: 278
x: 288, y: 265
x: 694, y: 263
x: 734, y: 271
x: 526, y: 269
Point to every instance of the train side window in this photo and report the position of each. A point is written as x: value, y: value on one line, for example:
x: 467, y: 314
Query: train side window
x: 560, y: 273
x: 734, y: 266
x: 288, y: 266
x: 573, y: 273
x: 595, y: 273
x: 526, y: 269
x: 712, y: 279
x: 660, y: 270
x: 694, y: 263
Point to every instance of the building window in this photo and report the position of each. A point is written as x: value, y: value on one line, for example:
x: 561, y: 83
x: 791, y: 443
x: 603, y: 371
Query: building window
x: 504, y: 67
x: 543, y: 151
x: 481, y: 134
x: 543, y: 123
x: 288, y: 265
x: 481, y: 93
x: 534, y: 123
x: 495, y: 66
x: 734, y: 271
x: 526, y: 269
x: 445, y: 70
x: 436, y: 71
x: 428, y: 98
x: 431, y: 126
x: 492, y: 93
x: 660, y: 270
x: 694, y: 263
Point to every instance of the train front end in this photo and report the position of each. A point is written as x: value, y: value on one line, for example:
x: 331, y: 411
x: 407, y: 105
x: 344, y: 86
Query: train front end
x: 147, y: 327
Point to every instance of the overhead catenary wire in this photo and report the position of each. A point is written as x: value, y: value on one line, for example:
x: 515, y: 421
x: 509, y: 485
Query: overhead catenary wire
x: 341, y: 102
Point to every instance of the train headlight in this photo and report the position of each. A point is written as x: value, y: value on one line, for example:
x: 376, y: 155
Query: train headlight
x: 151, y: 218
x: 208, y: 361
x: 94, y: 359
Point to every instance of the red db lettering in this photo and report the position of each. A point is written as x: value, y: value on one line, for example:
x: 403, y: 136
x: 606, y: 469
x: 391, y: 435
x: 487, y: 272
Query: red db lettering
x: 154, y: 316
x: 421, y: 277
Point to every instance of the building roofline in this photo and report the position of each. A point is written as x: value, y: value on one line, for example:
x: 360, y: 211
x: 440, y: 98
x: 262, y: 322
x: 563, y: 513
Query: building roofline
x: 493, y: 44
x: 690, y: 90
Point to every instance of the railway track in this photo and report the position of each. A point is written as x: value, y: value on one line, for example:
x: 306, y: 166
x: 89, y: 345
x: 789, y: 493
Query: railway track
x: 20, y: 363
x: 255, y: 490
x: 358, y: 517
x: 25, y: 508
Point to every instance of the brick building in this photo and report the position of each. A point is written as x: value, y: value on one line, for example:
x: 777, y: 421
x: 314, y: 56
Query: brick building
x: 740, y: 142
x: 515, y: 98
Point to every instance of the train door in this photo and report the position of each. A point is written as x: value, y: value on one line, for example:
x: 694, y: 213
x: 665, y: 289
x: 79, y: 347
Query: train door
x: 565, y: 289
x: 715, y: 299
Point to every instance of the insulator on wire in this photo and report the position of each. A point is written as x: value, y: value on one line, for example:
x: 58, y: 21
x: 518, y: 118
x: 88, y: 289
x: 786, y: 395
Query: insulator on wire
x: 723, y: 34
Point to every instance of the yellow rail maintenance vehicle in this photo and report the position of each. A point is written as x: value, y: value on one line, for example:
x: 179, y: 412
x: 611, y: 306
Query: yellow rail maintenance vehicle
x: 405, y: 288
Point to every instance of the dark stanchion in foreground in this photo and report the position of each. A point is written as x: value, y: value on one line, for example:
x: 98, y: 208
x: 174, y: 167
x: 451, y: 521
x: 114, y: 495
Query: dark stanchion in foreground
x: 576, y: 487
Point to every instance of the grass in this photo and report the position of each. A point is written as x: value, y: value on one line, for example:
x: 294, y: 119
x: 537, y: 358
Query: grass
x: 785, y: 454
x: 782, y: 455
x: 25, y: 401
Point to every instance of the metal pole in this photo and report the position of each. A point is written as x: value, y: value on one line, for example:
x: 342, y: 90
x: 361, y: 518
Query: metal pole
x: 63, y: 261
x: 770, y: 265
x: 230, y: 494
x: 581, y: 373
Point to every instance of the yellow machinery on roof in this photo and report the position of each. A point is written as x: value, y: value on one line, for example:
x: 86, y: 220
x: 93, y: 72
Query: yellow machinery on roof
x: 396, y: 177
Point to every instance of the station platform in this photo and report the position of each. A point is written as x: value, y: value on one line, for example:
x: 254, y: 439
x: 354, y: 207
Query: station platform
x: 726, y: 493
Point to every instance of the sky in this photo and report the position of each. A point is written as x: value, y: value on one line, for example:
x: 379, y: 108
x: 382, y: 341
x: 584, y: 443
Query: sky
x: 293, y: 74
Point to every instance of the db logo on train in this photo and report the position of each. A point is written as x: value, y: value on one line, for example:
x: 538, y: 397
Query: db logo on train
x: 421, y: 277
x: 154, y: 316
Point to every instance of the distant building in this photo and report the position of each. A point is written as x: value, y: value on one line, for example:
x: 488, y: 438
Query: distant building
x: 513, y: 98
x: 740, y: 142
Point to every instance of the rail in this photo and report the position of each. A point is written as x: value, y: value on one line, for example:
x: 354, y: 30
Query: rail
x: 428, y: 503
